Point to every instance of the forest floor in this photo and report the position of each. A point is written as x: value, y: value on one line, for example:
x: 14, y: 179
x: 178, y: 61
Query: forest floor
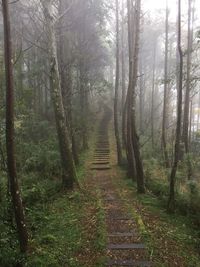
x: 80, y: 228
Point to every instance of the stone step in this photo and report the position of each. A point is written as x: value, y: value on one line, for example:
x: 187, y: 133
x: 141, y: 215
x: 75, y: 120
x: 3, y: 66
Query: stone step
x: 101, y: 163
x: 126, y: 246
x: 115, y: 218
x: 102, y: 156
x: 102, y: 160
x: 100, y: 148
x: 102, y: 153
x: 101, y: 168
x: 129, y: 263
x: 122, y: 234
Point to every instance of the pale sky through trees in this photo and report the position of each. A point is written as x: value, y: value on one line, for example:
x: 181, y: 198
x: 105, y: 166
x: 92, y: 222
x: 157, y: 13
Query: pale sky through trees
x: 153, y: 6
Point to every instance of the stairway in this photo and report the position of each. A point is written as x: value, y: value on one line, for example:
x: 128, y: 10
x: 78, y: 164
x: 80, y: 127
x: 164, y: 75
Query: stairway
x: 125, y: 247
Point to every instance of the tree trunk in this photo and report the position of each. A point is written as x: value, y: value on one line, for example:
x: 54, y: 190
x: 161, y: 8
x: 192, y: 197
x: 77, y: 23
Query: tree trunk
x: 165, y: 103
x: 152, y: 96
x: 190, y: 129
x: 66, y: 79
x: 141, y: 98
x: 124, y: 102
x: 83, y: 105
x: 198, y: 116
x: 171, y: 201
x: 185, y: 134
x: 129, y: 145
x: 123, y: 60
x: 68, y: 167
x: 116, y: 108
x: 135, y: 139
x: 10, y: 145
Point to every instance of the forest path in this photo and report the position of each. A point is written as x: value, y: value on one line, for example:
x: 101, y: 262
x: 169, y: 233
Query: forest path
x: 124, y: 244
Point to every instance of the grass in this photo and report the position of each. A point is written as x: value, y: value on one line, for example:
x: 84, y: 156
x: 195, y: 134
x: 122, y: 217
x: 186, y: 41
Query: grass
x: 100, y: 242
x: 65, y: 228
x: 58, y: 236
x: 69, y: 228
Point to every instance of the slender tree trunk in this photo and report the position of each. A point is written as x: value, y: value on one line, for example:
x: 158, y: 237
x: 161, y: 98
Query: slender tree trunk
x: 123, y: 60
x: 68, y: 167
x: 186, y: 115
x: 135, y: 139
x: 171, y: 201
x: 185, y: 134
x: 198, y: 116
x: 116, y: 106
x: 83, y: 105
x: 165, y: 103
x: 124, y: 125
x: 129, y: 145
x: 124, y: 102
x: 10, y: 145
x: 152, y: 96
x: 141, y: 97
x: 66, y: 79
x: 190, y: 129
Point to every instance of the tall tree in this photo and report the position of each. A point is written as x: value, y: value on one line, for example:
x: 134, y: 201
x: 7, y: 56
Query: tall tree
x: 123, y: 73
x: 116, y: 101
x: 171, y: 201
x: 10, y: 134
x: 129, y: 97
x: 185, y: 134
x: 68, y: 166
x: 153, y: 95
x: 131, y: 107
x: 135, y: 138
x: 65, y: 69
x: 165, y: 100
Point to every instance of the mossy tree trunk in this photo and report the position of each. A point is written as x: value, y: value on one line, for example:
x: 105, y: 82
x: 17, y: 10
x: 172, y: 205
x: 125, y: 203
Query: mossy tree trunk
x: 132, y: 137
x: 68, y: 166
x: 129, y: 145
x: 116, y: 101
x: 10, y: 135
x: 165, y: 99
x: 171, y: 201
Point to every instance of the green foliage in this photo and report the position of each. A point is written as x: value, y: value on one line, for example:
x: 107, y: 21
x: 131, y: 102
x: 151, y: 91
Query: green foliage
x: 36, y: 189
x: 100, y: 242
x: 187, y: 192
x: 44, y: 158
x: 51, y: 240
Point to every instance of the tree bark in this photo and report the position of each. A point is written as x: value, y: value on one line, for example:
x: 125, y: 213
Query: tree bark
x: 68, y: 167
x: 83, y: 105
x: 135, y: 139
x: 141, y: 97
x: 165, y: 103
x: 185, y: 134
x: 123, y: 60
x: 116, y: 101
x: 66, y: 79
x: 124, y: 102
x: 190, y: 128
x: 152, y: 96
x: 10, y: 143
x: 171, y: 201
x: 129, y: 145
